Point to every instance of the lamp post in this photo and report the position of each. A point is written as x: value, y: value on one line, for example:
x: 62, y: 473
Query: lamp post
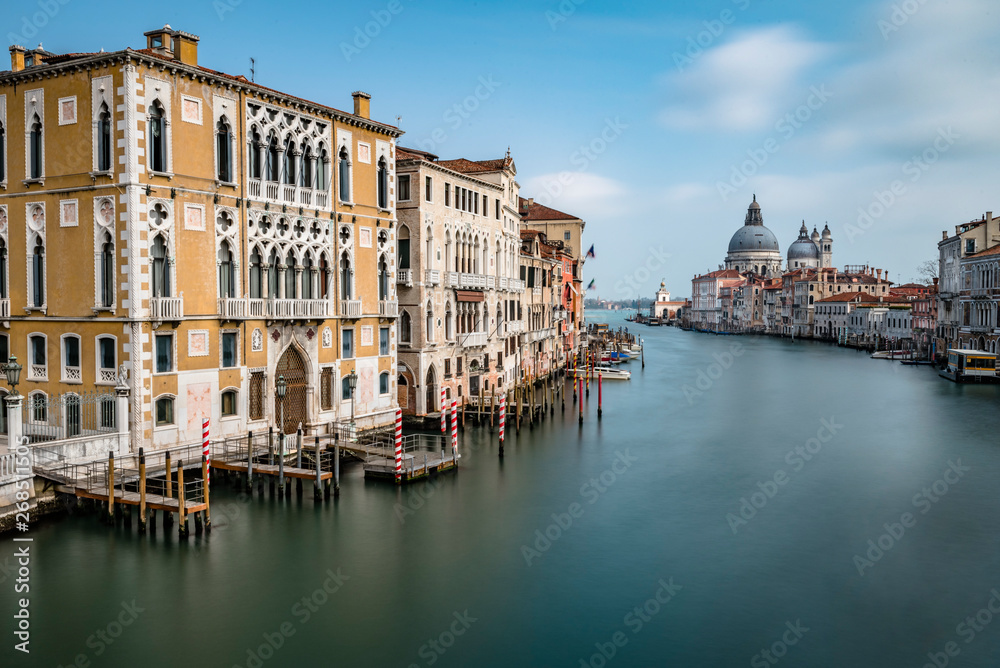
x: 352, y: 382
x: 281, y: 388
x: 13, y: 372
x: 12, y: 407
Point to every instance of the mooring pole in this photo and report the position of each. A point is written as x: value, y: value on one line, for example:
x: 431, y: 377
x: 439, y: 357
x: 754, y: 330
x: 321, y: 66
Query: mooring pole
x: 250, y: 462
x: 170, y: 491
x: 600, y: 409
x: 182, y: 519
x: 581, y: 401
x: 111, y: 487
x: 318, y: 484
x: 142, y: 492
x: 205, y: 513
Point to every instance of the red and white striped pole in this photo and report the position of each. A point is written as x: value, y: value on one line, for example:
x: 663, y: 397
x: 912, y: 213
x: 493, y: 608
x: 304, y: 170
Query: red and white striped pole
x: 503, y: 418
x: 454, y: 427
x: 399, y: 446
x: 204, y: 447
x: 444, y: 410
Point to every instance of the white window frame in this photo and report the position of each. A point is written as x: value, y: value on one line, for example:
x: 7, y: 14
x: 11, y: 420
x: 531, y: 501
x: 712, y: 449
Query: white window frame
x: 160, y: 91
x: 101, y: 93
x: 98, y: 375
x: 388, y: 385
x: 354, y: 343
x: 173, y: 360
x: 34, y: 103
x: 64, y: 375
x: 173, y: 411
x: 6, y: 143
x: 31, y: 364
x: 238, y: 404
x: 222, y: 333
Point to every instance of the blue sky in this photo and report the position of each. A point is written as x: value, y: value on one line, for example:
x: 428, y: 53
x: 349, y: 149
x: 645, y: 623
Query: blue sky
x: 656, y: 122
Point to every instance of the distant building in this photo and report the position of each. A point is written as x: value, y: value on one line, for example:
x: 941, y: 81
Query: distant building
x: 664, y: 308
x: 969, y: 239
x: 754, y: 248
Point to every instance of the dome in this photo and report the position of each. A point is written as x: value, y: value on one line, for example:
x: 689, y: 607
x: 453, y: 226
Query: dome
x: 826, y: 232
x: 754, y: 238
x: 803, y: 248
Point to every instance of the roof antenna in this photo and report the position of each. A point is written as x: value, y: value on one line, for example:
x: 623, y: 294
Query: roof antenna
x: 252, y: 71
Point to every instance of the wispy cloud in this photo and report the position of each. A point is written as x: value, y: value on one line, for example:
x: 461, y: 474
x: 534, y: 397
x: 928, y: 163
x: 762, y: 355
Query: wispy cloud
x: 742, y: 85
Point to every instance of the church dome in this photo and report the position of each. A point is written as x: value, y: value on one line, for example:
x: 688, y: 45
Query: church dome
x: 803, y: 248
x: 753, y: 236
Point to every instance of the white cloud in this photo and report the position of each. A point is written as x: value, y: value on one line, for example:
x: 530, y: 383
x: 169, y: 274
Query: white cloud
x: 742, y: 85
x: 578, y: 193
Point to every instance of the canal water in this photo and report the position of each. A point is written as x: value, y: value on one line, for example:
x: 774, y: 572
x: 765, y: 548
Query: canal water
x: 744, y: 501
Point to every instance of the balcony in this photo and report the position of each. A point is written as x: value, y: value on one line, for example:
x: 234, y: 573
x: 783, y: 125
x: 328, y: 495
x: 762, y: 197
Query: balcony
x: 166, y: 308
x: 305, y: 196
x: 271, y: 190
x: 516, y: 285
x: 73, y: 374
x: 388, y: 308
x: 432, y: 277
x: 451, y: 279
x: 283, y: 193
x: 288, y: 193
x: 233, y: 309
x: 473, y: 339
x: 472, y: 281
x: 4, y: 308
x: 107, y: 376
x: 255, y: 187
x: 515, y: 327
x: 504, y: 283
x: 405, y: 277
x: 491, y: 282
x: 536, y: 293
x: 350, y: 308
x: 276, y: 309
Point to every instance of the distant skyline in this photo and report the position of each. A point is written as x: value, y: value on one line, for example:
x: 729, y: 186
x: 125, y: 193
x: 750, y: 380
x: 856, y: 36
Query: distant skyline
x: 655, y: 122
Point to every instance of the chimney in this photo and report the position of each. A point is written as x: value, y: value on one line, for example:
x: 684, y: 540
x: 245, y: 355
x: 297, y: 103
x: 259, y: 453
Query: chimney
x: 944, y: 235
x: 161, y: 41
x: 185, y: 47
x: 17, y: 58
x: 879, y: 275
x: 362, y: 104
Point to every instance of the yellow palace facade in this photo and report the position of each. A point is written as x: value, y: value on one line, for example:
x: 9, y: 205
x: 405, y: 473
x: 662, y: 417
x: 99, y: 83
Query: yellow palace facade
x: 204, y: 232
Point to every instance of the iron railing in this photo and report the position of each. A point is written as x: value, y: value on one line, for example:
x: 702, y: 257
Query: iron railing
x: 72, y: 415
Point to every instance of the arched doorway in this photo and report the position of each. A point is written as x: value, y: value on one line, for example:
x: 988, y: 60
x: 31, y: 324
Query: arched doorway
x: 293, y: 368
x: 431, y: 399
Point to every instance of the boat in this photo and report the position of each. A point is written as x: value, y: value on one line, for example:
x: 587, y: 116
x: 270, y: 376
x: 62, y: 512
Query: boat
x: 971, y: 366
x: 611, y: 373
x: 893, y: 355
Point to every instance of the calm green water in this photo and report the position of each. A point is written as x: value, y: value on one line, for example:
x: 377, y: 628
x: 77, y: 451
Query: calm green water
x: 449, y: 584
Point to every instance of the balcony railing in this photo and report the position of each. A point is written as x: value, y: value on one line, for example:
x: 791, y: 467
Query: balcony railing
x: 388, y: 308
x: 432, y: 277
x: 166, y: 308
x: 350, y: 308
x: 255, y: 187
x: 491, y: 282
x: 451, y: 279
x: 322, y: 198
x: 515, y: 327
x: 108, y: 376
x: 288, y: 193
x: 252, y: 309
x: 516, y: 285
x: 472, y: 339
x: 73, y: 373
x: 4, y: 308
x: 404, y: 277
x: 271, y: 190
x: 472, y: 280
x: 536, y: 293
x: 306, y: 196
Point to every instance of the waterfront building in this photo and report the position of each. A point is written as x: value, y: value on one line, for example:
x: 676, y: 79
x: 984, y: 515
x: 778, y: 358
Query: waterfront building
x: 665, y: 309
x: 541, y: 349
x: 925, y: 322
x: 237, y: 234
x: 969, y: 238
x: 460, y: 292
x: 803, y: 287
x: 872, y: 323
x: 754, y: 248
x: 772, y: 305
x: 566, y: 228
x: 833, y: 314
x: 979, y: 301
x: 706, y: 302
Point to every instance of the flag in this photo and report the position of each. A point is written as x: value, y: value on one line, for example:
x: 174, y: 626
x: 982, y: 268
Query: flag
x: 593, y: 285
x: 590, y: 253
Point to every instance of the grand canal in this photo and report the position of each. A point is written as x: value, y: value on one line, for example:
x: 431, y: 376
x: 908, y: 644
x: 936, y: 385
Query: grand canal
x: 722, y: 508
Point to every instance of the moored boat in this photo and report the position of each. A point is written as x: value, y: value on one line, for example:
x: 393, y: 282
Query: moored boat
x: 611, y: 373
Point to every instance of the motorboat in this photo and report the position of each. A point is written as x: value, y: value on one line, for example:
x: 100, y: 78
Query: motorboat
x: 612, y: 373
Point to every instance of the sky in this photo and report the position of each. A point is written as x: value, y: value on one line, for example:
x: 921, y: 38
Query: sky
x: 655, y: 122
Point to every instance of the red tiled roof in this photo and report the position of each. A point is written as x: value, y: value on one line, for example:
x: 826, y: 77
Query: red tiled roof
x: 534, y: 211
x: 476, y: 166
x: 989, y: 251
x: 850, y: 297
x: 721, y: 273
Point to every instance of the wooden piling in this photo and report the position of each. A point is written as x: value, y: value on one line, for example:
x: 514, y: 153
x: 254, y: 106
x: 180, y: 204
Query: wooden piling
x: 169, y: 490
x: 600, y: 409
x: 142, y: 492
x: 482, y: 384
x: 204, y: 476
x: 182, y: 520
x: 493, y: 401
x: 336, y: 470
x: 298, y: 447
x: 281, y: 465
x: 250, y: 462
x: 318, y: 484
x: 111, y: 487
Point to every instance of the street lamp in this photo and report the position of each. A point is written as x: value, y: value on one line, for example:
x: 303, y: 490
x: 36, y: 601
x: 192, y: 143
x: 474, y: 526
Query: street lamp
x: 13, y: 372
x: 280, y: 388
x: 352, y: 382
